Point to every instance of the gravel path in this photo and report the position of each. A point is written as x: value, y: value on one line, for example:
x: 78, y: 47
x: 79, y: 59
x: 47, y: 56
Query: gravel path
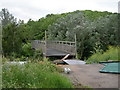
x: 89, y: 75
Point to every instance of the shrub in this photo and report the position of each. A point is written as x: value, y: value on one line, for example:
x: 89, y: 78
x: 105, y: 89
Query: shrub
x: 38, y: 54
x: 27, y: 50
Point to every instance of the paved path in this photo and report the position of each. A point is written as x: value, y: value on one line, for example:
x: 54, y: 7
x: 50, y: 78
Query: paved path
x: 89, y: 75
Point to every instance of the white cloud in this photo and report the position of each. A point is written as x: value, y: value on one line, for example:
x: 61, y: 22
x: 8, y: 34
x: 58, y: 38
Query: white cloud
x: 35, y: 9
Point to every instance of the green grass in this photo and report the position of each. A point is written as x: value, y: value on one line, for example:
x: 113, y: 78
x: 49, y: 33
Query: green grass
x: 33, y: 75
x: 110, y: 54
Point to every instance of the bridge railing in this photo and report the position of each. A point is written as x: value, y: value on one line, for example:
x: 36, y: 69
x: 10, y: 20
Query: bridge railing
x: 64, y: 46
x: 38, y: 45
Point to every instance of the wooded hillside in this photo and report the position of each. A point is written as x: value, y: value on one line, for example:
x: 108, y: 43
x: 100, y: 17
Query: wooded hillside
x: 95, y: 31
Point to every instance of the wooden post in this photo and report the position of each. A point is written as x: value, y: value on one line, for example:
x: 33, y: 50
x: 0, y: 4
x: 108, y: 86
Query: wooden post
x: 76, y: 47
x: 1, y: 53
x: 45, y: 44
x: 1, y: 39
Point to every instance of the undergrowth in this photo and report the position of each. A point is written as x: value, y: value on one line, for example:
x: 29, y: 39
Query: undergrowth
x: 33, y: 75
x: 110, y: 54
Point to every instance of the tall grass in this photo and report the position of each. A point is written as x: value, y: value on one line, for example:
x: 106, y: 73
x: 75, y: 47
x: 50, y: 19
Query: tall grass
x: 33, y: 75
x: 110, y: 54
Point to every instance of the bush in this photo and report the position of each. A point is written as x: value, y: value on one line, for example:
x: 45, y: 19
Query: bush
x: 27, y: 50
x: 38, y: 55
x: 33, y: 75
x: 110, y: 54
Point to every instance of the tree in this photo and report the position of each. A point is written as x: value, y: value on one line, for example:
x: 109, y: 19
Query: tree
x: 11, y: 41
x: 92, y: 35
x: 6, y: 17
x: 106, y: 31
x: 67, y: 27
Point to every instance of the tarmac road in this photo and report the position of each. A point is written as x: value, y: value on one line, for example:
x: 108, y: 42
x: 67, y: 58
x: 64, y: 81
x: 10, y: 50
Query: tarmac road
x: 89, y: 75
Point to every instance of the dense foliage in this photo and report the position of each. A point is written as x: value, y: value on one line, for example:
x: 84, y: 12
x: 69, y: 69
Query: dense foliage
x: 91, y: 35
x: 33, y: 75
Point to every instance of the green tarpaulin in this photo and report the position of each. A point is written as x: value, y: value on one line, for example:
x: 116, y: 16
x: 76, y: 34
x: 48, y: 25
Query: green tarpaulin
x: 113, y: 67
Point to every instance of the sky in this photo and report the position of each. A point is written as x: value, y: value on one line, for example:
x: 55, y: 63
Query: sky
x: 36, y: 9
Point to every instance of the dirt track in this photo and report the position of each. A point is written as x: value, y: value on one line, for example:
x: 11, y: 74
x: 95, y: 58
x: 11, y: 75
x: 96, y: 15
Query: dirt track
x: 89, y: 75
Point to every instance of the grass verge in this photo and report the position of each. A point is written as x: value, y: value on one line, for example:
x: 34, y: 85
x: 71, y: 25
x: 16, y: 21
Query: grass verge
x: 110, y: 54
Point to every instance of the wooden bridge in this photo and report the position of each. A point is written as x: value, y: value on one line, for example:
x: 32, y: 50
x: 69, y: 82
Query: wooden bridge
x: 55, y: 48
